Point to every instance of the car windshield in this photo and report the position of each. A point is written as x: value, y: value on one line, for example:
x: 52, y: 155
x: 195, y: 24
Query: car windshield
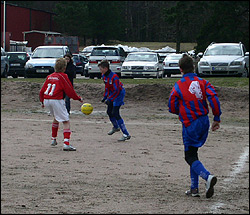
x: 174, y: 57
x: 142, y: 57
x: 16, y: 56
x: 48, y: 53
x: 104, y: 52
x: 223, y: 50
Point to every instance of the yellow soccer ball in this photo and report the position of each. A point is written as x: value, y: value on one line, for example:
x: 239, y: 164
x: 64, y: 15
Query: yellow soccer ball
x: 87, y: 108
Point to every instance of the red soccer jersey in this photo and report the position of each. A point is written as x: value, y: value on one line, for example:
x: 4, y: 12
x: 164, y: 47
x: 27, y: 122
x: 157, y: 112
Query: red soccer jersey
x: 56, y: 85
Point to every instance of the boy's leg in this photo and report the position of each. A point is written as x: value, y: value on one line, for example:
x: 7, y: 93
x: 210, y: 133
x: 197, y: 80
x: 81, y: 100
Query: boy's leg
x: 55, y: 127
x: 120, y: 122
x: 67, y: 103
x: 191, y: 155
x: 66, y: 135
x: 111, y: 116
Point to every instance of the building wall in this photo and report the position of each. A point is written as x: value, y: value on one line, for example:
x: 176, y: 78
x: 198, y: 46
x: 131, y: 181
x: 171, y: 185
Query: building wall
x: 20, y: 19
x: 34, y: 40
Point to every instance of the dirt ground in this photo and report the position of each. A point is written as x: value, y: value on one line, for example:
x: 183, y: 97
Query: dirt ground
x: 145, y: 175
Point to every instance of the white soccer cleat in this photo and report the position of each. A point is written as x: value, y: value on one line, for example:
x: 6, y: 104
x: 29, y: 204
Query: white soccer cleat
x: 211, y: 181
x: 124, y: 137
x: 68, y: 148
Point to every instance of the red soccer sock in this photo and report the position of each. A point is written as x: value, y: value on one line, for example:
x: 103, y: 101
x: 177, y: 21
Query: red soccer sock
x: 66, y: 134
x: 55, y: 127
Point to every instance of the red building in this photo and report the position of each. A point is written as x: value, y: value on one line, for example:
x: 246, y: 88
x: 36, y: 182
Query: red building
x: 22, y: 19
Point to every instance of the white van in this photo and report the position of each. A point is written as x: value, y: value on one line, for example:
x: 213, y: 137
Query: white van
x: 114, y: 54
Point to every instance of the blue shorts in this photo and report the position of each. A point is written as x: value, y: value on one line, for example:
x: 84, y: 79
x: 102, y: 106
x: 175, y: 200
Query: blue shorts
x: 120, y: 98
x: 196, y: 134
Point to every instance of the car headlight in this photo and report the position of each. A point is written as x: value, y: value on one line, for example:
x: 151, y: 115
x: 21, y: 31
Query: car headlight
x: 203, y: 63
x: 126, y: 67
x: 236, y: 63
x: 28, y: 66
x: 149, y: 68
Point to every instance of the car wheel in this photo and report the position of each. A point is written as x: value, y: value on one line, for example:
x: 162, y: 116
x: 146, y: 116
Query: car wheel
x: 91, y: 76
x: 245, y: 73
x: 168, y: 75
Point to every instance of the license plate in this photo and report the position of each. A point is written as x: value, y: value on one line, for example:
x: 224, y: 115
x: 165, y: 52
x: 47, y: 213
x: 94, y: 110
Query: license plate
x: 15, y: 64
x: 219, y: 68
x: 42, y: 71
x: 173, y: 64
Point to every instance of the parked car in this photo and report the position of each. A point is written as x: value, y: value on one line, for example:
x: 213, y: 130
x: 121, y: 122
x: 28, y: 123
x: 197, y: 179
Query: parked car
x: 4, y: 64
x: 142, y: 64
x: 114, y: 54
x: 228, y: 59
x: 17, y: 61
x: 171, y: 64
x: 80, y: 61
x: 42, y: 60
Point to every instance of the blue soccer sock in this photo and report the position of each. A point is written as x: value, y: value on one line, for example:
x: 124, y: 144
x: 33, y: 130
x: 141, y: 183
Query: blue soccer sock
x: 122, y: 126
x: 114, y: 122
x: 194, y: 179
x: 200, y: 170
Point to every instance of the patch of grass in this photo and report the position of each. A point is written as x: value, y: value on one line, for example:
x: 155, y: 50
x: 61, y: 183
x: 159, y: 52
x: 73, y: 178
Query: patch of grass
x: 237, y: 82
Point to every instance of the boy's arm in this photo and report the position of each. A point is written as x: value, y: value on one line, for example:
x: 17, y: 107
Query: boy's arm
x: 173, y: 102
x: 68, y: 88
x: 41, y: 94
x: 213, y: 101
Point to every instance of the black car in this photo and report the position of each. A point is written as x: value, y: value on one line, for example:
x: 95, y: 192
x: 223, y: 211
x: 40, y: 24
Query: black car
x: 17, y: 62
x: 80, y: 61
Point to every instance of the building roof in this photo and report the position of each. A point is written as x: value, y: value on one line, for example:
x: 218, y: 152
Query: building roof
x: 41, y: 32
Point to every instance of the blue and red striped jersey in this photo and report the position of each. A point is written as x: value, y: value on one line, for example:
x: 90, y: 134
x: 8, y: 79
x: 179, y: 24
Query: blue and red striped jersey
x: 113, y: 86
x: 189, y: 96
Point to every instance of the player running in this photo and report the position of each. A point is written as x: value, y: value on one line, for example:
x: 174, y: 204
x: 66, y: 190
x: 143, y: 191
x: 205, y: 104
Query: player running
x: 113, y: 96
x: 52, y: 97
x: 188, y: 100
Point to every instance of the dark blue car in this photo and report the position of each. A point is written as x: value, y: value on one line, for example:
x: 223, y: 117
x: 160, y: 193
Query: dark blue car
x: 80, y: 61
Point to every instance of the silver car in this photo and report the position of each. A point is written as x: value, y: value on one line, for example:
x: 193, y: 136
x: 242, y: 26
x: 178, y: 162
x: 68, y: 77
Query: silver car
x: 171, y: 64
x: 142, y: 64
x: 114, y: 54
x: 230, y: 59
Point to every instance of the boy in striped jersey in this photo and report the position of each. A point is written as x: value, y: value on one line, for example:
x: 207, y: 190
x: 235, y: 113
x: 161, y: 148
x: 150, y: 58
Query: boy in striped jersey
x: 113, y: 96
x: 188, y: 99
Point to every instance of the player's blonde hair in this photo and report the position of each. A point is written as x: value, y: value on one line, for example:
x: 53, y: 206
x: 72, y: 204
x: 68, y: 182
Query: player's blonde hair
x: 60, y: 65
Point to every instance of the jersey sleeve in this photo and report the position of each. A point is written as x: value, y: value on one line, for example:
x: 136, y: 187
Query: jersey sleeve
x: 41, y: 94
x: 213, y: 101
x: 173, y: 102
x: 68, y: 88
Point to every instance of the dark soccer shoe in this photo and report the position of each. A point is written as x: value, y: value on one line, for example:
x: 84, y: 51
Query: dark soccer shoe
x: 113, y: 131
x: 193, y: 192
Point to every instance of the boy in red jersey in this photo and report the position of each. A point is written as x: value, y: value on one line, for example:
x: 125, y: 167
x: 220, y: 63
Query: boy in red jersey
x: 188, y: 100
x: 52, y: 97
x: 113, y: 96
